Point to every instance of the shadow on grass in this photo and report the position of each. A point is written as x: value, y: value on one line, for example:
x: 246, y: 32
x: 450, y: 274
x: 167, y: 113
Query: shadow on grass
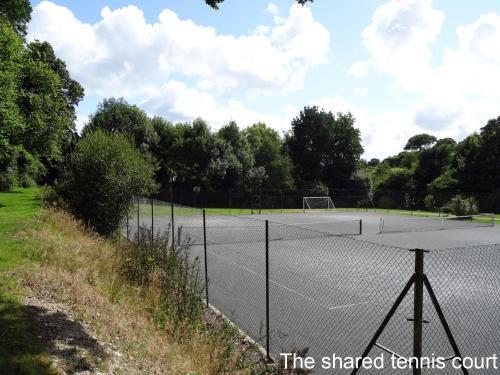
x: 29, y: 333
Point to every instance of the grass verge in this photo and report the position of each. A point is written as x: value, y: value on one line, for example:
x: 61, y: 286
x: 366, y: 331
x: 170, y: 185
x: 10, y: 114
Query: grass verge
x: 46, y: 253
x: 21, y: 351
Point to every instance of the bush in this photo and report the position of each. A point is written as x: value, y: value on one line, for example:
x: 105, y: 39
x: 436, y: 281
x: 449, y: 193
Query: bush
x: 172, y: 270
x: 459, y: 206
x: 430, y: 202
x: 101, y: 177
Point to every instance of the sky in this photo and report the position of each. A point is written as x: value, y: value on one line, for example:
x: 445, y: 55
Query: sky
x: 401, y: 67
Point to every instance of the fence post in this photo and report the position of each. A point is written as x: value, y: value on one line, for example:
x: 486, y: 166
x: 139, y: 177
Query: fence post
x: 205, y: 254
x: 152, y: 221
x: 267, y: 292
x: 418, y: 309
x: 360, y: 227
x: 138, y: 222
x: 172, y: 221
x: 127, y: 224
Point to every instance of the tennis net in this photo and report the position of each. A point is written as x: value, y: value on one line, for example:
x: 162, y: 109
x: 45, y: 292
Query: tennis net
x: 421, y: 224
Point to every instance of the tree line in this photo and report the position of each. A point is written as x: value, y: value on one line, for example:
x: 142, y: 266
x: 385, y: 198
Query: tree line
x: 122, y: 151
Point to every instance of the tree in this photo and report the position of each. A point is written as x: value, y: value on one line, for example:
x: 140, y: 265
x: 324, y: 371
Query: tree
x: 118, y: 116
x: 238, y: 154
x: 434, y: 161
x: 37, y: 111
x: 324, y: 147
x: 17, y: 13
x: 420, y: 142
x: 101, y: 177
x: 266, y: 147
x: 215, y: 3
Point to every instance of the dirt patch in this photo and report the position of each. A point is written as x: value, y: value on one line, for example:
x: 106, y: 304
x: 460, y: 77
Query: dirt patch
x: 72, y: 345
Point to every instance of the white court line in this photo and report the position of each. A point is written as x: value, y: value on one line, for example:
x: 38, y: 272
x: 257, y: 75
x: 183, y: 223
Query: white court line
x: 294, y: 291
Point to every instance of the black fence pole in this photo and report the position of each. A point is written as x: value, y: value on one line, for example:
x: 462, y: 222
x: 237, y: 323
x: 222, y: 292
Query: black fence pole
x: 127, y: 225
x: 360, y: 227
x: 138, y: 221
x: 172, y: 217
x: 205, y: 255
x: 152, y: 221
x: 267, y: 292
x: 418, y: 309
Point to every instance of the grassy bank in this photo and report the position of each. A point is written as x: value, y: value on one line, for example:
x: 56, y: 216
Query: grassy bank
x: 21, y: 351
x: 46, y: 252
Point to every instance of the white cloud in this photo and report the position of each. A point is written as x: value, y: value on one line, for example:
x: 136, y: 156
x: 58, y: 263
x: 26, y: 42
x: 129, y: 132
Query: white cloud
x: 362, y: 91
x: 272, y: 9
x: 124, y: 55
x: 359, y: 68
x: 400, y: 37
x: 459, y: 90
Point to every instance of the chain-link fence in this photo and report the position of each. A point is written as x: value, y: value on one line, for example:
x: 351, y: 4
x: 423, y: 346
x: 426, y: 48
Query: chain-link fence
x: 322, y: 287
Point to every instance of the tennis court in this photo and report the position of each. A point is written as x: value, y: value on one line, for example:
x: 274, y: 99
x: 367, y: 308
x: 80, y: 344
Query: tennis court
x: 330, y: 292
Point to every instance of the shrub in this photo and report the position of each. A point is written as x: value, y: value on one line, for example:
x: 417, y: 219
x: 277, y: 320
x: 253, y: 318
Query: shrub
x: 172, y: 270
x: 459, y: 206
x: 430, y: 202
x: 101, y: 177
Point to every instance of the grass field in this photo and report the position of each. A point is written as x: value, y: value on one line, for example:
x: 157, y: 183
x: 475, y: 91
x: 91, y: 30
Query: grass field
x: 20, y: 350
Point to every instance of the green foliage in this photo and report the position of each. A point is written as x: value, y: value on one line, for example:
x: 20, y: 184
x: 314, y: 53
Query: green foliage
x: 430, y: 202
x: 17, y: 13
x: 172, y: 270
x: 37, y: 110
x: 266, y: 147
x: 102, y: 175
x: 420, y: 142
x: 460, y: 205
x: 324, y: 147
x: 117, y: 116
x: 396, y: 179
x: 434, y: 161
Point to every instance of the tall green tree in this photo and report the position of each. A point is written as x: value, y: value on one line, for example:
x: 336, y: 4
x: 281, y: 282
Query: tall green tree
x: 37, y: 111
x: 17, y: 13
x: 238, y: 155
x: 118, y: 116
x: 324, y: 147
x: 420, y: 142
x: 266, y: 146
x: 433, y: 162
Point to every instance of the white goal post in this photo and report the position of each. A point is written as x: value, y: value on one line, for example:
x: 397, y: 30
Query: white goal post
x: 317, y: 203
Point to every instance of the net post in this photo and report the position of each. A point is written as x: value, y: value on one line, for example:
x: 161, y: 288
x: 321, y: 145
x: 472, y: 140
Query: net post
x: 267, y: 291
x: 205, y: 255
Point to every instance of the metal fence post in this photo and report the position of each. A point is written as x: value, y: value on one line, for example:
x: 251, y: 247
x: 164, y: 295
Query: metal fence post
x: 418, y: 310
x: 205, y: 254
x: 138, y: 222
x: 127, y: 225
x: 267, y: 292
x: 152, y: 221
x: 360, y: 227
x: 172, y: 221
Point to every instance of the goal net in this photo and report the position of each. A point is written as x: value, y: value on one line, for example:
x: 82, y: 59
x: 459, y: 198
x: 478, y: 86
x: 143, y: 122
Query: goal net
x: 318, y: 203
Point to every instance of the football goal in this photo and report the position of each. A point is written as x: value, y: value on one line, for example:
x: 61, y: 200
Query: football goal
x: 317, y: 204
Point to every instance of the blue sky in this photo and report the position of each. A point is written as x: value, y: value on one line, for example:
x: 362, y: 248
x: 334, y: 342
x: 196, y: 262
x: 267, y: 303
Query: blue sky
x: 400, y: 66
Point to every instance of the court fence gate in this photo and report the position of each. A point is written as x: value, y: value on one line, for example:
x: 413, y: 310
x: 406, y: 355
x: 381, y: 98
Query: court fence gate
x: 258, y: 274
